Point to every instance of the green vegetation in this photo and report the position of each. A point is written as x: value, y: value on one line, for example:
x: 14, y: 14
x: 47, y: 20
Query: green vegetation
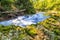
x: 51, y: 7
x: 53, y: 24
x: 46, y: 5
x: 17, y: 5
x: 17, y: 32
x: 30, y: 5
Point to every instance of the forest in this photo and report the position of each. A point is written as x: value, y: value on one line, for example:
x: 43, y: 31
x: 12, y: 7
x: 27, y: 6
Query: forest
x: 49, y: 29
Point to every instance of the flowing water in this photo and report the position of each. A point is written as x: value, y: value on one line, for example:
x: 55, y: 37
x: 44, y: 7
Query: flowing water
x: 26, y: 20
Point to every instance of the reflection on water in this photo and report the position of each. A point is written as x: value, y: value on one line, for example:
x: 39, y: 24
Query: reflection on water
x: 26, y: 20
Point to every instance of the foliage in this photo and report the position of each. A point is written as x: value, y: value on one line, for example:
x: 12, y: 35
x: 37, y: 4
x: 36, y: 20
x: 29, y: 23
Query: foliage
x: 17, y: 32
x: 7, y: 4
x: 53, y: 24
x: 46, y: 5
x: 31, y: 30
x: 18, y: 5
x: 32, y: 5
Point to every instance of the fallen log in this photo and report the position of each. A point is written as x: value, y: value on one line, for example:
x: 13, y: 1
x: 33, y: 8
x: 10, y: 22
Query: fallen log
x: 16, y: 11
